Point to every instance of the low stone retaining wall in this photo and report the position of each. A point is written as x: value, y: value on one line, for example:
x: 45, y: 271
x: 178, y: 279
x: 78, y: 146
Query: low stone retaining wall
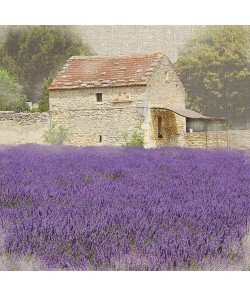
x: 21, y: 128
x: 222, y: 139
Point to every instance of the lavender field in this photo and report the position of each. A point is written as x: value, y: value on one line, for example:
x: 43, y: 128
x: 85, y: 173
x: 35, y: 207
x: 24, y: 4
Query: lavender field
x: 107, y: 208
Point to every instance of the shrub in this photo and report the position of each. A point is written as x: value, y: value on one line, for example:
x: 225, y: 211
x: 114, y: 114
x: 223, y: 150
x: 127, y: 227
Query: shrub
x: 226, y: 126
x: 43, y: 105
x: 11, y: 95
x: 137, y: 139
x: 44, y: 101
x: 56, y: 135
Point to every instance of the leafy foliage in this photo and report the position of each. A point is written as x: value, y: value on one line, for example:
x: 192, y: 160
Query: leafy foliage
x: 11, y: 95
x: 56, y: 135
x: 33, y: 53
x: 214, y: 69
x: 137, y: 139
x: 124, y: 208
x: 44, y: 101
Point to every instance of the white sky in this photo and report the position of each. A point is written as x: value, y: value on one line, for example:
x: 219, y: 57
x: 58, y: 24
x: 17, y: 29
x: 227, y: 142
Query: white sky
x: 129, y: 39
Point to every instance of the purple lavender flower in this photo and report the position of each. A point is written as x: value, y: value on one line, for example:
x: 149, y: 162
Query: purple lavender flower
x: 110, y: 208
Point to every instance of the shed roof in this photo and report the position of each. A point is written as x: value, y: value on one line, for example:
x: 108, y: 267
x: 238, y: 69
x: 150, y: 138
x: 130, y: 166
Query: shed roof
x: 188, y: 113
x: 97, y: 71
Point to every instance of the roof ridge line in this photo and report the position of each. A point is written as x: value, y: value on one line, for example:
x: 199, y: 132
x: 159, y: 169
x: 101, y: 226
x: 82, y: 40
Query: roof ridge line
x: 159, y: 53
x: 107, y: 71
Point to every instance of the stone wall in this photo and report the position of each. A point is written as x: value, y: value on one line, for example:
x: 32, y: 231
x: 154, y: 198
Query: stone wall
x: 123, y: 110
x: 87, y: 125
x: 80, y: 99
x: 173, y: 128
x: 165, y: 89
x: 21, y: 128
x: 231, y: 139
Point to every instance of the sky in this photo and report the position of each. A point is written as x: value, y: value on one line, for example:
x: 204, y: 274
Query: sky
x: 134, y: 39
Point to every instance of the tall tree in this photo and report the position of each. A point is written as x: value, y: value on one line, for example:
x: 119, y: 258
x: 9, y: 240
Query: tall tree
x: 214, y: 68
x: 34, y: 53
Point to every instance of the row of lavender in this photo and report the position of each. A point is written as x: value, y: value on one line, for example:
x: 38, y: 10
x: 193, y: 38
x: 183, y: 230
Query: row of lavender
x: 124, y: 208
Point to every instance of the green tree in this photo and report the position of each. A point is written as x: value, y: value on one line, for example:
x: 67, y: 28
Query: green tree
x: 214, y: 68
x: 11, y: 94
x: 34, y: 53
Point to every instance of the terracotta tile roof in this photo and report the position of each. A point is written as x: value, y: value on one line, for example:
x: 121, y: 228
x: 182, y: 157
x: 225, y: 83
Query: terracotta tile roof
x: 96, y: 71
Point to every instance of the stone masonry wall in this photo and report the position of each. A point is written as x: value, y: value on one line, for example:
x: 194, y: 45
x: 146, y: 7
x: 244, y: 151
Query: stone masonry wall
x: 231, y: 139
x: 123, y: 110
x: 165, y: 89
x: 172, y: 128
x: 21, y: 128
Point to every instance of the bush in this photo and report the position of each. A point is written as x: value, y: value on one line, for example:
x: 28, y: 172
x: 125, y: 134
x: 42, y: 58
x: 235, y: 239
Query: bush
x: 137, y: 139
x: 11, y: 94
x: 56, y: 135
x: 43, y: 105
x: 44, y: 101
x: 226, y: 126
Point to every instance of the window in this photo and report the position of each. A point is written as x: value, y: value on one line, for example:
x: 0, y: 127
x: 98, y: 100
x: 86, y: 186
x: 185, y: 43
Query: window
x: 160, y: 127
x: 100, y: 138
x: 98, y: 97
x: 166, y: 76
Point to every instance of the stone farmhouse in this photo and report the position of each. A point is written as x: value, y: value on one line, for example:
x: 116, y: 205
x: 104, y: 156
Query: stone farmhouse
x: 102, y: 99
